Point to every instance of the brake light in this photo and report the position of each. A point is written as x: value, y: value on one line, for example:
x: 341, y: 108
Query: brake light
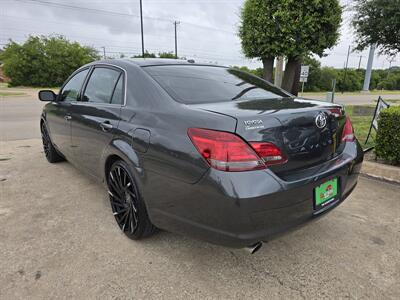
x: 270, y: 153
x: 227, y: 152
x: 348, y: 132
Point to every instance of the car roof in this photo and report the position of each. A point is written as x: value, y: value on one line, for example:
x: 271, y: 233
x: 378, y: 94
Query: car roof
x: 145, y: 62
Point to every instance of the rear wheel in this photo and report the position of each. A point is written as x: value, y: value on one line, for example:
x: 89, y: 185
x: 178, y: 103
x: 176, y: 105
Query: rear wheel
x: 51, y: 153
x: 126, y: 204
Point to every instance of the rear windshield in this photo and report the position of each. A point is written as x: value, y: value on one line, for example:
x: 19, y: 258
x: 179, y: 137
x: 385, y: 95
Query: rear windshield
x: 193, y: 84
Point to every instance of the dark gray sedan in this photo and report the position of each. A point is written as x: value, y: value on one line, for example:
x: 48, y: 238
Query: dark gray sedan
x: 202, y: 150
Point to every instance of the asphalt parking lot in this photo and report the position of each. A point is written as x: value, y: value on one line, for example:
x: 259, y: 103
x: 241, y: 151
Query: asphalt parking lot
x: 58, y: 239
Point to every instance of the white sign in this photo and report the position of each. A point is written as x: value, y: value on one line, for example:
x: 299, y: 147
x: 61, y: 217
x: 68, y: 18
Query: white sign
x: 374, y: 124
x: 305, y: 70
x: 381, y: 105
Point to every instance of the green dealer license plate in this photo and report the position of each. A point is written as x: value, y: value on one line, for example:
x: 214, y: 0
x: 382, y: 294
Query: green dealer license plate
x: 326, y: 193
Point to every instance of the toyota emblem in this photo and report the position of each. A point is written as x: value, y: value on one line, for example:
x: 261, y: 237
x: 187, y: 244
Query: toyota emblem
x: 320, y: 120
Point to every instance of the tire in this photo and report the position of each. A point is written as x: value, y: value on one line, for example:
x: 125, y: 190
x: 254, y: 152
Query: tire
x: 50, y: 152
x: 127, y: 205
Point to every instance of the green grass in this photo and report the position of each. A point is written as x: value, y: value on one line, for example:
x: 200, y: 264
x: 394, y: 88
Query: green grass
x: 361, y: 126
x: 10, y: 94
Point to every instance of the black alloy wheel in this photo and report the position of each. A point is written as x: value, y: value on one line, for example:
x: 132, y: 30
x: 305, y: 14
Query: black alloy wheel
x: 127, y: 207
x: 49, y: 151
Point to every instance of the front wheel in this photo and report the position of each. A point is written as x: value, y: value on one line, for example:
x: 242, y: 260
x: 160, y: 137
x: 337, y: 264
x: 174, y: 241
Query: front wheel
x: 126, y: 204
x: 51, y: 153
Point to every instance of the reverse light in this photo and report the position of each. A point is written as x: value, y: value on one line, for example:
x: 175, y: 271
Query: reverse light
x: 336, y: 111
x: 227, y: 152
x: 348, y: 132
x: 269, y: 152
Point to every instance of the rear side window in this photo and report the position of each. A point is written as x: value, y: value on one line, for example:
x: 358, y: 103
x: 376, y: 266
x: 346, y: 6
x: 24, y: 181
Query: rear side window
x: 101, y: 85
x: 118, y: 95
x: 193, y: 84
x: 70, y: 91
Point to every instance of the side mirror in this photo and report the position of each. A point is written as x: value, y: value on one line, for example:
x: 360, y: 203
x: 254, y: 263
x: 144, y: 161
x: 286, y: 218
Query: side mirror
x: 47, y: 95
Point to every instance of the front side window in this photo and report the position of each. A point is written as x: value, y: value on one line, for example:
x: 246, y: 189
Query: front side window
x: 70, y: 92
x: 101, y: 85
x: 194, y: 84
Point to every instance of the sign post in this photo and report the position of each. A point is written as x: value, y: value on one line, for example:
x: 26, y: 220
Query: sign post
x: 305, y: 70
x: 374, y: 123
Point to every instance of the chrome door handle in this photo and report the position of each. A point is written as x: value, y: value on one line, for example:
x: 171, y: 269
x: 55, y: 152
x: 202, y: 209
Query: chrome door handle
x: 67, y: 118
x: 106, y: 126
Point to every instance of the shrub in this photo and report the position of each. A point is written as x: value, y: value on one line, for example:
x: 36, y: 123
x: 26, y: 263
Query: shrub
x: 388, y: 135
x: 44, y: 61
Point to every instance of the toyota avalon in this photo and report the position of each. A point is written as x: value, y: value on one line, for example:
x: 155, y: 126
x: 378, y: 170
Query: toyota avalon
x: 201, y: 150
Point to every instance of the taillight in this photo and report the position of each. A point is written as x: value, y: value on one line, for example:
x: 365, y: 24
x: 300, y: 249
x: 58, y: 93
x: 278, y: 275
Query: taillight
x: 226, y: 151
x: 270, y: 153
x: 348, y: 132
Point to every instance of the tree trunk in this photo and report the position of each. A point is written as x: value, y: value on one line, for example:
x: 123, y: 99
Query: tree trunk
x: 279, y: 71
x: 268, y: 64
x: 292, y: 75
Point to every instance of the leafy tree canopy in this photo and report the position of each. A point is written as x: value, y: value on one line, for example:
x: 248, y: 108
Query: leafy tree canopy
x: 44, y: 61
x: 378, y: 22
x: 289, y: 28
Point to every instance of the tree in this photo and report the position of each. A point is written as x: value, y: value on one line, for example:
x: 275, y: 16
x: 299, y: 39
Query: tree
x: 354, y: 80
x: 257, y: 72
x: 378, y: 22
x: 288, y: 28
x: 44, y: 61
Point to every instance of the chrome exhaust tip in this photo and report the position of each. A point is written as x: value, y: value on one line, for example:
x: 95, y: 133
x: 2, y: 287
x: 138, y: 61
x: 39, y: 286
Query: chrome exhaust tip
x: 254, y: 248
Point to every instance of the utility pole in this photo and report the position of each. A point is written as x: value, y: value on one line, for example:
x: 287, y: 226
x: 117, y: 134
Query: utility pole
x: 141, y: 27
x: 345, y: 68
x: 390, y: 62
x: 176, y: 23
x: 359, y: 63
x: 368, y: 72
x: 392, y: 59
x: 104, y: 52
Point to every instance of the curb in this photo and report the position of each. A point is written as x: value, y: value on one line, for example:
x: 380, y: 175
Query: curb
x: 382, y: 172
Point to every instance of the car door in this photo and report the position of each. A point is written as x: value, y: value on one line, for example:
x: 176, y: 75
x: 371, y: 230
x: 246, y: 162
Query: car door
x: 58, y: 115
x: 96, y: 116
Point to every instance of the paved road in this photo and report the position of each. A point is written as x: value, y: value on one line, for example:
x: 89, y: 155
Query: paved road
x: 360, y: 99
x: 58, y: 239
x: 19, y: 117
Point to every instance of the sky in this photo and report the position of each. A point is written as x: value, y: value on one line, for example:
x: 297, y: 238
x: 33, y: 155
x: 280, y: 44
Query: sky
x: 207, y: 31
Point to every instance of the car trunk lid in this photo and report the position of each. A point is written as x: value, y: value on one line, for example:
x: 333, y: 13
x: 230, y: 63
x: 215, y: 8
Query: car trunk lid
x: 307, y: 131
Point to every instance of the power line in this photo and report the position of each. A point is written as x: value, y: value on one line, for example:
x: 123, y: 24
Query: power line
x: 110, y: 43
x: 137, y: 50
x: 96, y: 10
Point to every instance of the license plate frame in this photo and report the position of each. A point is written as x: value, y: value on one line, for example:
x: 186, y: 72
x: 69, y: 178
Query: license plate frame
x: 326, y: 193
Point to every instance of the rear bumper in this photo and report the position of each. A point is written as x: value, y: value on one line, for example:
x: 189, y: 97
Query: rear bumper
x: 240, y: 209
